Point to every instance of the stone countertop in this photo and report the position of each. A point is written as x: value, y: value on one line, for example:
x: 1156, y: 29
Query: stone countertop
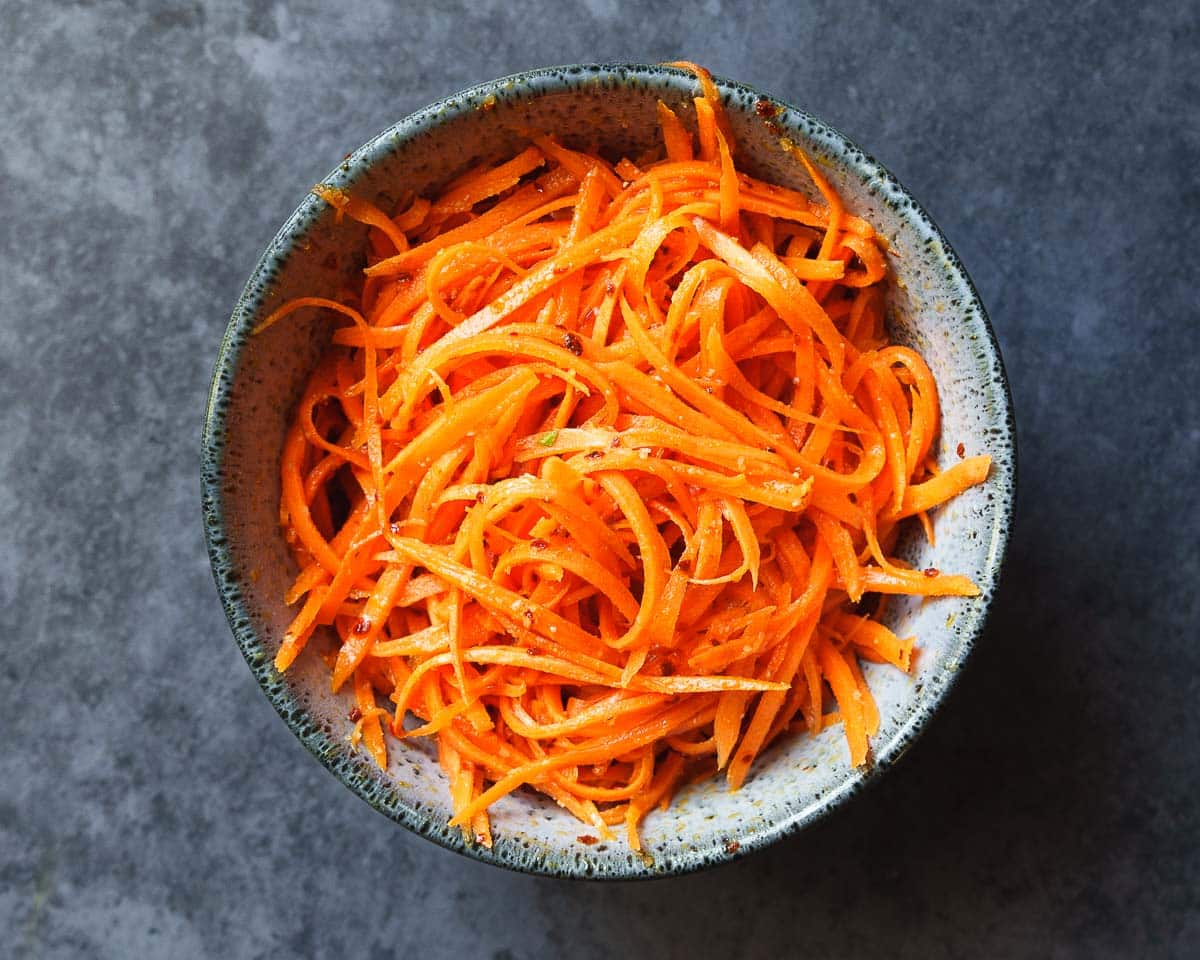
x: 151, y: 802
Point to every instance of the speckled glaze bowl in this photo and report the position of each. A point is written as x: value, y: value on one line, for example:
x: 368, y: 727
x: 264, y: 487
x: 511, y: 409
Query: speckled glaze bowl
x: 933, y: 307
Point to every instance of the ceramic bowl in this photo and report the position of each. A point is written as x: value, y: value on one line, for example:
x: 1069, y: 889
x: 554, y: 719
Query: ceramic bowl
x: 933, y: 307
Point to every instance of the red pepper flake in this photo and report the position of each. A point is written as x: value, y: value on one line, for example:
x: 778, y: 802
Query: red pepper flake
x: 480, y: 497
x: 587, y: 839
x: 616, y: 442
x: 560, y: 269
x: 528, y: 615
x: 538, y: 544
x: 931, y: 572
x: 609, y: 287
x: 767, y: 112
x: 590, y: 315
x: 362, y: 625
x: 732, y: 846
x: 355, y: 715
x: 573, y: 343
x: 961, y: 451
x: 395, y: 527
x: 593, y: 455
x: 402, y: 277
x: 538, y: 187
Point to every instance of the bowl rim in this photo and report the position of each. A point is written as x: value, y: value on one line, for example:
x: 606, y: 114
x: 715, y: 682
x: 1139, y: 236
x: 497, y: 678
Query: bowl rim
x: 539, y: 82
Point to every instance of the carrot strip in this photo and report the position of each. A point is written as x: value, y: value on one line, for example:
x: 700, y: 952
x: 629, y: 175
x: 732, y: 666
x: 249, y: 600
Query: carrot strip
x: 462, y: 195
x: 849, y: 699
x: 363, y: 212
x: 357, y: 642
x: 729, y: 186
x: 946, y: 485
x: 677, y: 140
x: 372, y: 732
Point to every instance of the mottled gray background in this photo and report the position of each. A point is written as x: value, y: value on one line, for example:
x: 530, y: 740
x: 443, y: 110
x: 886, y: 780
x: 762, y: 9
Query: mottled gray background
x: 151, y: 802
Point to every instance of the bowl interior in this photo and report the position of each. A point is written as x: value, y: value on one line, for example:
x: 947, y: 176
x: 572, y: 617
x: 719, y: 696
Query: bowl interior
x: 932, y: 306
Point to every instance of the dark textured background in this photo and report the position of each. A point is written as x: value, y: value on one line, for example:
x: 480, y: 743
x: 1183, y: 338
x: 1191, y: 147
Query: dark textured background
x: 151, y: 802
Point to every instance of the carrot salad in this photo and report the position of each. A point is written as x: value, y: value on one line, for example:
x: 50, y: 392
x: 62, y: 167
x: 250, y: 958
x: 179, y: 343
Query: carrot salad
x: 599, y: 480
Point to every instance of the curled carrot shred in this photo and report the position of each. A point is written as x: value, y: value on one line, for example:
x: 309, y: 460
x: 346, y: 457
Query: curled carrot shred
x: 600, y: 479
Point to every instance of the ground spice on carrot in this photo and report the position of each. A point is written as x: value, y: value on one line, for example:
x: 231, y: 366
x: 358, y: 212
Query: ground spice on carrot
x: 593, y: 479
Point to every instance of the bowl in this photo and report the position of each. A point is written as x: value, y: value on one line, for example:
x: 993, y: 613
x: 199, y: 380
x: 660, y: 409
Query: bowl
x: 932, y: 306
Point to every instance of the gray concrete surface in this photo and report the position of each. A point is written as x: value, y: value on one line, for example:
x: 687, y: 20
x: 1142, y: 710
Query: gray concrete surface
x: 153, y: 805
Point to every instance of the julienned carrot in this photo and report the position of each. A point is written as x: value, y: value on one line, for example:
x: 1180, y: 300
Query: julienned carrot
x: 592, y: 480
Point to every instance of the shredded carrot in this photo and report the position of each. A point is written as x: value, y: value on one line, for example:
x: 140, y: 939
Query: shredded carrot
x: 599, y: 468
